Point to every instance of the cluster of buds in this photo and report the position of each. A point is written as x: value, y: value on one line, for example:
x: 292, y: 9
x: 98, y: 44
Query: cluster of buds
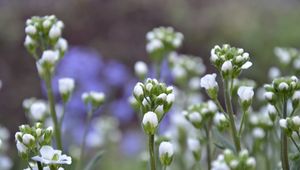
x: 186, y: 68
x: 230, y: 61
x: 288, y: 57
x: 93, y: 99
x: 44, y: 33
x: 199, y: 114
x: 154, y: 99
x: 260, y: 120
x: 44, y: 42
x: 283, y: 88
x: 161, y: 41
x: 30, y: 139
x: 66, y: 87
x: 229, y: 160
x: 36, y: 109
x: 290, y: 125
x: 166, y: 153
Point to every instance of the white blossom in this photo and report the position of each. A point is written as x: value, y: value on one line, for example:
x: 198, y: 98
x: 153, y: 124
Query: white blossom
x: 48, y: 156
x: 209, y: 81
x: 138, y: 90
x: 283, y: 123
x: 154, y: 45
x: 141, y: 68
x: 27, y: 139
x: 166, y: 148
x: 66, y: 85
x: 296, y: 95
x: 283, y: 86
x: 258, y: 133
x: 38, y: 110
x: 54, y: 32
x: 274, y: 72
x: 247, y: 65
x: 269, y: 95
x: 296, y: 120
x: 62, y: 44
x: 170, y: 98
x: 151, y: 118
x: 245, y: 93
x: 227, y: 66
x: 49, y: 56
x: 30, y: 29
x: 193, y: 144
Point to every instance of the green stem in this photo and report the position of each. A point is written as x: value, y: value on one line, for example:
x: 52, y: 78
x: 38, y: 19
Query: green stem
x: 39, y: 166
x: 151, y: 152
x: 82, y: 146
x: 229, y: 109
x: 208, y: 152
x: 219, y: 105
x: 63, y: 115
x: 295, y: 144
x: 284, y: 147
x: 53, y: 112
x: 242, y: 123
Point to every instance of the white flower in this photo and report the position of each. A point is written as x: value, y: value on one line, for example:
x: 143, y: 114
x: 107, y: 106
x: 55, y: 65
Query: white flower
x: 296, y: 63
x: 28, y: 41
x: 218, y: 118
x: 170, y: 98
x: 234, y: 163
x: 5, y: 162
x: 38, y: 110
x: 283, y: 86
x: 269, y: 95
x: 150, y: 118
x: 27, y: 139
x: 21, y: 147
x: 296, y: 120
x: 141, y: 68
x: 271, y: 109
x: 149, y: 87
x: 159, y: 110
x: 251, y: 162
x: 194, y: 83
x: 66, y: 85
x: 162, y: 96
x: 226, y: 66
x: 213, y: 55
x: 54, y: 32
x: 193, y: 145
x: 195, y: 117
x: 166, y: 148
x: 283, y: 123
x: 258, y: 133
x: 296, y: 95
x: 154, y: 45
x: 247, y: 65
x: 209, y: 81
x: 138, y: 90
x: 245, y: 93
x: 49, y: 56
x: 50, y: 156
x: 30, y: 29
x: 274, y: 72
x: 46, y: 23
x: 97, y: 96
x: 62, y: 44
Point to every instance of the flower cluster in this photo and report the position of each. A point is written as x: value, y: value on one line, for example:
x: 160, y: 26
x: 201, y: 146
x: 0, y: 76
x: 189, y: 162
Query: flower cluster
x: 260, y: 123
x: 288, y: 57
x: 44, y: 33
x: 283, y: 88
x: 230, y: 60
x: 290, y: 125
x: 186, y: 69
x: 93, y: 98
x: 199, y: 114
x: 161, y: 41
x: 230, y: 161
x: 30, y: 139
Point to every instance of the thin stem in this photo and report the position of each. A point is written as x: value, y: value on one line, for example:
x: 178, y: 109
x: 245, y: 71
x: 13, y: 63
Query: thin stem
x: 284, y: 143
x: 231, y: 116
x: 208, y: 152
x: 298, y: 135
x: 158, y: 70
x: 295, y: 144
x: 293, y: 112
x: 82, y: 146
x: 151, y: 152
x: 53, y: 112
x: 219, y: 105
x: 39, y: 166
x: 63, y: 114
x: 242, y: 123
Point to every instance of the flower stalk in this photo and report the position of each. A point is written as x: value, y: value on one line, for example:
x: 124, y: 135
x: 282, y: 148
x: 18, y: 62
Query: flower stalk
x: 284, y: 147
x: 151, y: 152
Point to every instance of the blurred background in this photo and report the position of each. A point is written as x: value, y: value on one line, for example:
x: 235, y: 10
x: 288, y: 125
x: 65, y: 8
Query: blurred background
x: 107, y: 37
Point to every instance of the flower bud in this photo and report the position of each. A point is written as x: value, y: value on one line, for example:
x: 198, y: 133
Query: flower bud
x: 54, y: 32
x: 226, y: 66
x: 21, y: 147
x: 28, y: 139
x: 66, y: 87
x: 38, y: 110
x: 210, y: 84
x: 30, y: 30
x: 245, y: 94
x: 195, y: 118
x: 272, y: 112
x: 150, y: 122
x: 138, y: 91
x: 166, y: 152
x: 194, y: 146
x: 283, y: 86
x: 283, y: 123
x: 141, y: 69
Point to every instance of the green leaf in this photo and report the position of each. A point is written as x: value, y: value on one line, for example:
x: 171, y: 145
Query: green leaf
x: 91, y: 165
x: 220, y: 141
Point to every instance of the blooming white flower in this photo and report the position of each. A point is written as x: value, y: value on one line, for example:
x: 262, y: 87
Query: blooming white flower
x: 209, y: 81
x: 227, y: 66
x: 48, y: 156
x: 245, y: 93
x: 283, y: 123
x: 140, y: 68
x: 151, y: 118
x: 166, y: 148
x: 49, y: 56
x: 38, y: 110
x: 66, y: 85
x: 97, y: 96
x: 54, y: 32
